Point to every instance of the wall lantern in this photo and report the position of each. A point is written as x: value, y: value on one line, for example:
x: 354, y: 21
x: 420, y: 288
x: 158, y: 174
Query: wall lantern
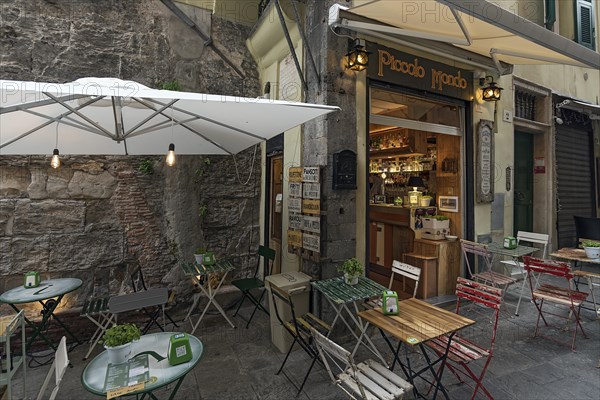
x: 358, y: 57
x: 491, y: 92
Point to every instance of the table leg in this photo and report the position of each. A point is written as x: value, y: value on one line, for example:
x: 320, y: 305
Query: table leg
x: 66, y: 328
x: 210, y: 294
x: 438, y: 376
x: 36, y: 331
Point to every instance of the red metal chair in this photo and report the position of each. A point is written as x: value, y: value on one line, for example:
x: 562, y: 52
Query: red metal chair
x: 463, y: 351
x: 559, y: 295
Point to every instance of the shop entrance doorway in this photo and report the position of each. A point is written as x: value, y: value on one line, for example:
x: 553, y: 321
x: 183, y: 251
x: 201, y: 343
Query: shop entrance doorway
x: 523, y: 190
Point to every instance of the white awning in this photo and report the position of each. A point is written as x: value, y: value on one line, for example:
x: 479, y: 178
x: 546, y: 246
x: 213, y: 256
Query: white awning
x: 479, y: 26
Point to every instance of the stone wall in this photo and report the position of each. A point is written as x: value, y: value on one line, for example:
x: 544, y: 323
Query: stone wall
x: 96, y: 215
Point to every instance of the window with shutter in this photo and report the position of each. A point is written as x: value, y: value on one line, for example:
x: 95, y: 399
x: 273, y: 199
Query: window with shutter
x: 584, y: 22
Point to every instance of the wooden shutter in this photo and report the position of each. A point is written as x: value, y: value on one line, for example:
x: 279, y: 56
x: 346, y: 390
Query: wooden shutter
x: 584, y: 23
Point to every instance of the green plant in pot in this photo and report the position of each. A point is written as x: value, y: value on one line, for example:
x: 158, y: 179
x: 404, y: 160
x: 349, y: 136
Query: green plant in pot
x: 352, y: 269
x: 117, y: 341
x: 592, y: 248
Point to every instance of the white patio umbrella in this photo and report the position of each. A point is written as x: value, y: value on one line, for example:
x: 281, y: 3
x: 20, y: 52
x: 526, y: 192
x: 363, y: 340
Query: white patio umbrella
x: 110, y: 117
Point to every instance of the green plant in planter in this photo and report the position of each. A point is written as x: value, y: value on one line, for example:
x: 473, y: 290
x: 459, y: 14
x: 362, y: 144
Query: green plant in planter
x: 200, y: 250
x: 121, y: 334
x: 146, y: 167
x: 590, y: 243
x: 441, y: 217
x: 351, y: 267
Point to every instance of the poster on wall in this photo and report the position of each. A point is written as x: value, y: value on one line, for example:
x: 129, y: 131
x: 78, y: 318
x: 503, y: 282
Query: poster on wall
x: 485, y: 162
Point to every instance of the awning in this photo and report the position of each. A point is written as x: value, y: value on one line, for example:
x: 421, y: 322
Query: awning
x: 479, y: 26
x: 591, y: 110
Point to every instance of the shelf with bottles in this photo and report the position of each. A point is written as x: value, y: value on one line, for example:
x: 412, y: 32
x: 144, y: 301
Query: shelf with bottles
x: 395, y: 166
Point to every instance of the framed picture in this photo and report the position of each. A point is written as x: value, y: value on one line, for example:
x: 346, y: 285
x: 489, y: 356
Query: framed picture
x: 448, y: 203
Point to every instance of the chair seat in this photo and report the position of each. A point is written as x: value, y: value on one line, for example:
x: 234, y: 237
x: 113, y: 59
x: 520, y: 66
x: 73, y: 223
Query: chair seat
x: 379, y: 383
x: 559, y: 295
x: 494, y: 277
x: 246, y: 284
x: 514, y: 263
x: 461, y: 350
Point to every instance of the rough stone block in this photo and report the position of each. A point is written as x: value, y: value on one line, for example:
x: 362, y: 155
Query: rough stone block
x: 58, y: 181
x: 39, y: 217
x: 14, y: 181
x: 91, y: 186
x: 7, y: 209
x: 27, y: 254
x: 5, y: 256
x: 85, y: 251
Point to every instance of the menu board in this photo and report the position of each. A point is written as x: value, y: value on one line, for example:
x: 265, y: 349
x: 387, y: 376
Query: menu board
x: 129, y: 373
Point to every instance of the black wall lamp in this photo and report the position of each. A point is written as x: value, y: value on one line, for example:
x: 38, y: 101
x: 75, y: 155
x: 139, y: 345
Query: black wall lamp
x: 357, y: 57
x: 491, y: 92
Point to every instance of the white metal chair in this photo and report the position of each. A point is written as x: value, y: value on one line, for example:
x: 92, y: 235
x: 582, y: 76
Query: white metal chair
x: 407, y: 271
x: 58, y: 367
x: 532, y: 238
x: 367, y: 380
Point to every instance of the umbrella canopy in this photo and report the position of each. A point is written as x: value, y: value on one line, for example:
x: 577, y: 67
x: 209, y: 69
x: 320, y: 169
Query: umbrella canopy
x: 110, y: 117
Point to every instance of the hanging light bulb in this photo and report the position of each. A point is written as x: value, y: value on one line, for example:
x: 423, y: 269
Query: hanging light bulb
x: 171, y: 155
x: 55, y: 162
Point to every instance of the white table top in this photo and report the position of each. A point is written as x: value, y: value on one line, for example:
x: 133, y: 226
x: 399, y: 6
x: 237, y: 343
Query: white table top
x: 94, y: 374
x: 46, y: 290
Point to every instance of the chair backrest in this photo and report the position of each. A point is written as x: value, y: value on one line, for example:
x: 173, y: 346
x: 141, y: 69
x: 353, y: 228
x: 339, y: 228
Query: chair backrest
x: 477, y: 249
x: 138, y: 300
x: 407, y: 271
x: 269, y: 256
x: 586, y: 228
x: 329, y: 350
x: 59, y: 367
x: 547, y: 267
x: 535, y: 238
x: 278, y: 293
x: 137, y: 279
x: 483, y: 295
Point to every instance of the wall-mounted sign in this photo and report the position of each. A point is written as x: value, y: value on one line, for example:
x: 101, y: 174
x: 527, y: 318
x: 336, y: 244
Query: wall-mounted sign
x: 344, y: 170
x: 294, y: 238
x: 295, y: 205
x: 295, y: 174
x: 295, y: 189
x: 311, y: 224
x: 485, y: 162
x: 409, y: 70
x: 310, y: 174
x: 295, y: 221
x: 539, y: 165
x: 311, y: 191
x: 311, y: 242
x: 311, y: 206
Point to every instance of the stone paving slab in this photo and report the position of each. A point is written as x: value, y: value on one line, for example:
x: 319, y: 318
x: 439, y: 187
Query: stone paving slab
x: 241, y: 363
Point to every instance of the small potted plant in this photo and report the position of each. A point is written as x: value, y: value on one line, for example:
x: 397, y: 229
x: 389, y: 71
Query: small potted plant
x: 592, y: 248
x: 199, y: 255
x: 117, y: 342
x: 352, y: 269
x: 426, y: 201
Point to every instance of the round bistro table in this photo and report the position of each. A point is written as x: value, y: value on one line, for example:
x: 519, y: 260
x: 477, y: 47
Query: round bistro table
x: 161, y: 372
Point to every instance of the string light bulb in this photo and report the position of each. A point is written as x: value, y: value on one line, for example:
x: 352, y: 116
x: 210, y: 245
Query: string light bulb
x: 171, y: 155
x: 55, y: 162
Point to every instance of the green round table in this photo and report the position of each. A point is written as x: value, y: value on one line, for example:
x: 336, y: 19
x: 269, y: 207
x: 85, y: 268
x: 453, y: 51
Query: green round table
x: 49, y: 294
x: 161, y: 373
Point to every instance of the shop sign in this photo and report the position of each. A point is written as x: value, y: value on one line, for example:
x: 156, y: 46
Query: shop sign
x: 295, y: 205
x: 310, y: 174
x: 295, y: 174
x: 539, y: 165
x: 311, y: 206
x: 295, y: 189
x: 311, y: 242
x: 419, y: 73
x: 311, y: 191
x: 294, y: 238
x: 311, y: 224
x: 485, y: 162
x: 295, y: 221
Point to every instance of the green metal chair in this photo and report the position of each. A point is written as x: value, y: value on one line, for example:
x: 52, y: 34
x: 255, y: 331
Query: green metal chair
x: 246, y: 285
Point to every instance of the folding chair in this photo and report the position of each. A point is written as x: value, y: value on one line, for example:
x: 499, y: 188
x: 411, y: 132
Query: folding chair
x: 96, y: 310
x: 487, y: 276
x: 367, y: 380
x: 246, y: 285
x: 462, y: 351
x: 139, y: 284
x: 532, y: 238
x: 58, y: 367
x: 559, y: 295
x: 298, y: 327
